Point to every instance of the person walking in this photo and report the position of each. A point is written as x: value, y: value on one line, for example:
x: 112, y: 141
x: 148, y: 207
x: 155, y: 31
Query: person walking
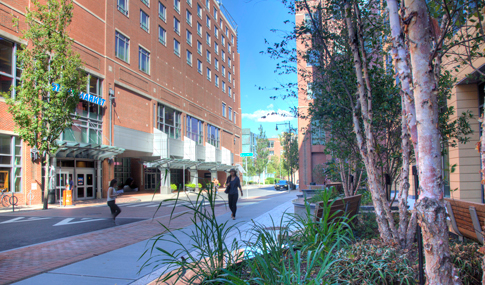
x: 216, y: 184
x: 232, y: 185
x: 112, y: 194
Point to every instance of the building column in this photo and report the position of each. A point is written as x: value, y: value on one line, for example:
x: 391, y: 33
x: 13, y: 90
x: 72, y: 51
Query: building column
x: 99, y: 188
x: 194, y: 177
x: 165, y: 181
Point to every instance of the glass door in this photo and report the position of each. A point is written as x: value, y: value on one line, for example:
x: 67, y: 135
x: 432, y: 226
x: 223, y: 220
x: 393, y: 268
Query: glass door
x: 152, y: 178
x: 62, y: 179
x: 85, y: 184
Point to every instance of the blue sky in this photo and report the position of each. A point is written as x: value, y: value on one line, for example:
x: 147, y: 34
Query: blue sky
x: 255, y: 19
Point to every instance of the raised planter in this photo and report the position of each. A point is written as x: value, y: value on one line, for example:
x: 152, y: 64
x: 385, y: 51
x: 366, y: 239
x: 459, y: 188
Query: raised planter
x: 300, y: 207
x: 308, y: 193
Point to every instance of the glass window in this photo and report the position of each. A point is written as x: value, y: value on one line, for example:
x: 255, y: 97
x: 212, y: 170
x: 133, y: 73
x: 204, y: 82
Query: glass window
x: 194, y: 130
x: 199, y: 66
x: 176, y: 25
x: 199, y: 48
x: 216, y: 32
x: 216, y: 64
x: 207, y: 4
x: 212, y: 134
x: 223, y: 55
x: 215, y: 14
x: 199, y: 29
x: 208, y: 22
x: 176, y: 5
x: 234, y: 117
x: 208, y: 56
x: 146, y: 2
x: 176, y: 47
x: 122, y: 169
x: 223, y: 41
x: 169, y: 121
x: 199, y: 11
x: 229, y: 48
x: 144, y: 21
x: 216, y: 48
x: 223, y: 86
x: 317, y: 133
x: 208, y: 39
x: 227, y: 32
x: 189, y: 38
x: 229, y: 62
x: 229, y: 77
x: 123, y: 6
x: 162, y: 35
x: 189, y: 2
x: 217, y: 80
x: 209, y: 74
x: 8, y: 64
x: 223, y: 107
x: 122, y: 47
x: 232, y: 39
x: 220, y: 22
x: 162, y: 12
x: 189, y: 18
x: 10, y: 163
x: 144, y: 60
x: 223, y: 71
x: 230, y: 113
x: 189, y: 58
x: 229, y: 91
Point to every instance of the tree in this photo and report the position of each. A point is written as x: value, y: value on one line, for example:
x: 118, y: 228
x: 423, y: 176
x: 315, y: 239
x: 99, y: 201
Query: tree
x: 41, y: 114
x: 289, y: 141
x: 274, y: 164
x: 262, y: 153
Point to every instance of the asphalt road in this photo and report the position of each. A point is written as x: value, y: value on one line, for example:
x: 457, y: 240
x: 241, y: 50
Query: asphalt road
x: 26, y: 228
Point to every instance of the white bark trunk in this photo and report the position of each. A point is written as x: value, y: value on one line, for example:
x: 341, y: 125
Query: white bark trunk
x: 430, y: 207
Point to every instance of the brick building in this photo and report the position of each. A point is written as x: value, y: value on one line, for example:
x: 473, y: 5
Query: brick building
x: 168, y: 71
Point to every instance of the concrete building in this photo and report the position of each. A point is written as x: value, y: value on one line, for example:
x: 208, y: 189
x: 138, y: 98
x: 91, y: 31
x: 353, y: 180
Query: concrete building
x: 167, y: 72
x: 248, y: 141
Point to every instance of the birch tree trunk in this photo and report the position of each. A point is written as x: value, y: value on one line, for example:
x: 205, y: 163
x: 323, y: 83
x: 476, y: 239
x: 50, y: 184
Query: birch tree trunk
x: 430, y: 206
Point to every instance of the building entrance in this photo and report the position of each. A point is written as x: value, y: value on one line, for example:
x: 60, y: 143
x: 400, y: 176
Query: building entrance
x: 85, y: 183
x: 152, y: 179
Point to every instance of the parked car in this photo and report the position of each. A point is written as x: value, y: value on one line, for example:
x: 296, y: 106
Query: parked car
x: 282, y: 185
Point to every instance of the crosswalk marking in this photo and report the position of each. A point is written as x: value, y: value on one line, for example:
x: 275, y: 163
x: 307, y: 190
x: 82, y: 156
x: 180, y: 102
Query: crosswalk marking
x: 22, y: 219
x: 139, y: 205
x: 69, y: 221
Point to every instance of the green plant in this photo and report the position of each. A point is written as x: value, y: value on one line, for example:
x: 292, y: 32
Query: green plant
x: 467, y: 259
x: 365, y: 226
x: 173, y: 187
x: 270, y: 180
x: 366, y: 196
x: 331, y: 193
x: 204, y: 250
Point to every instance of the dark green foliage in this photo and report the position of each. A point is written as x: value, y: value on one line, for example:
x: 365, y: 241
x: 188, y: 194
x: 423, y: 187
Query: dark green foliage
x: 366, y: 197
x: 468, y: 261
x: 329, y: 193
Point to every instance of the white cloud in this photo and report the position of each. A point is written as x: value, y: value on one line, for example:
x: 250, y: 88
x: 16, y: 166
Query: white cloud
x: 269, y: 116
x: 270, y: 106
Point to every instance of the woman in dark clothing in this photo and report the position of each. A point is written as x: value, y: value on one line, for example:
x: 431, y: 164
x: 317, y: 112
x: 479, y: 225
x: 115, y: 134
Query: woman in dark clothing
x: 232, y: 185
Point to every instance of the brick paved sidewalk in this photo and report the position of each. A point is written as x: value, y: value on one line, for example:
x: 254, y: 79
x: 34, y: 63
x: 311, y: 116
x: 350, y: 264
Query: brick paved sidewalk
x: 22, y: 263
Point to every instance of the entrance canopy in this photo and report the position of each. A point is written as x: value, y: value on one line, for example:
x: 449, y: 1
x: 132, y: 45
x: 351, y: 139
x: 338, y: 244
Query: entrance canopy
x: 173, y: 163
x: 86, y: 150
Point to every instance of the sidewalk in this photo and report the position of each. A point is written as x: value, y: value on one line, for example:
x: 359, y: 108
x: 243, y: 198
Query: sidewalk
x: 114, y: 257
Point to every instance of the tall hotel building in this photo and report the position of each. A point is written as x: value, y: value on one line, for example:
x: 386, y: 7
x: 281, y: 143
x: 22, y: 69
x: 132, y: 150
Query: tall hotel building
x: 168, y: 71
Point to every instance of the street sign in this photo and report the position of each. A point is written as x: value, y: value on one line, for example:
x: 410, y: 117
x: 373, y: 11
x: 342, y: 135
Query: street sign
x: 246, y: 154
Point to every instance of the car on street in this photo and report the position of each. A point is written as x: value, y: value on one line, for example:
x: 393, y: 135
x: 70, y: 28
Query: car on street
x: 282, y: 185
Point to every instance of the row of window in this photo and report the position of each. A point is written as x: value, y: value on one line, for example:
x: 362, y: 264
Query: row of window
x: 231, y: 115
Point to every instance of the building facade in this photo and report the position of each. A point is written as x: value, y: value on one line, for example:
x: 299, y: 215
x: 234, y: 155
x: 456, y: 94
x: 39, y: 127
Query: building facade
x: 166, y: 73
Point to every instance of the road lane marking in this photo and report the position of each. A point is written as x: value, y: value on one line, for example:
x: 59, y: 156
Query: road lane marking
x: 21, y: 219
x: 139, y: 205
x: 68, y: 221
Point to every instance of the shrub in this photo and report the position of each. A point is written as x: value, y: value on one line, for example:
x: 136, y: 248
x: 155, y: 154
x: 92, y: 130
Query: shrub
x: 366, y: 197
x: 331, y: 193
x: 365, y: 226
x: 269, y: 180
x: 468, y: 260
x: 173, y: 187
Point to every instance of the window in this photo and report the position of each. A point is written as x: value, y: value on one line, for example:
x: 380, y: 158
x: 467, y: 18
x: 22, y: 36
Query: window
x: 176, y: 25
x: 317, y: 133
x: 176, y: 5
x: 199, y: 11
x: 223, y: 86
x: 199, y: 48
x: 146, y: 2
x: 234, y: 117
x: 189, y: 2
x: 189, y: 38
x: 216, y: 32
x: 216, y: 64
x: 229, y: 62
x: 144, y: 60
x: 223, y: 107
x: 232, y: 39
x: 271, y: 144
x: 223, y: 41
x: 213, y: 135
x: 162, y: 12
x: 227, y: 32
x: 208, y: 56
x: 230, y: 114
x: 123, y: 6
x: 194, y: 130
x: 215, y: 14
x: 220, y: 23
x: 122, y: 47
x: 189, y: 18
x: 144, y: 21
x: 207, y: 4
x: 208, y: 39
x: 169, y: 121
x: 122, y: 169
x: 10, y: 163
x: 271, y: 152
x: 229, y: 91
x: 9, y: 72
x: 309, y: 91
x: 229, y: 48
x: 223, y: 71
x: 223, y: 55
x: 199, y: 66
x: 216, y: 80
x: 208, y: 22
x: 162, y: 36
x: 176, y: 47
x: 209, y: 74
x: 229, y: 77
x: 199, y: 29
x: 189, y: 58
x: 216, y: 48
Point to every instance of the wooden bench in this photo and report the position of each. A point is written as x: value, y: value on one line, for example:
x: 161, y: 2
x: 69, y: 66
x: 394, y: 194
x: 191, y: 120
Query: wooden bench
x: 348, y: 206
x: 467, y: 219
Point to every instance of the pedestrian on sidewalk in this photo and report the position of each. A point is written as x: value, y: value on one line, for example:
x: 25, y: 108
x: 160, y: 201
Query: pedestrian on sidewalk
x: 216, y: 184
x: 112, y: 194
x: 232, y: 185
